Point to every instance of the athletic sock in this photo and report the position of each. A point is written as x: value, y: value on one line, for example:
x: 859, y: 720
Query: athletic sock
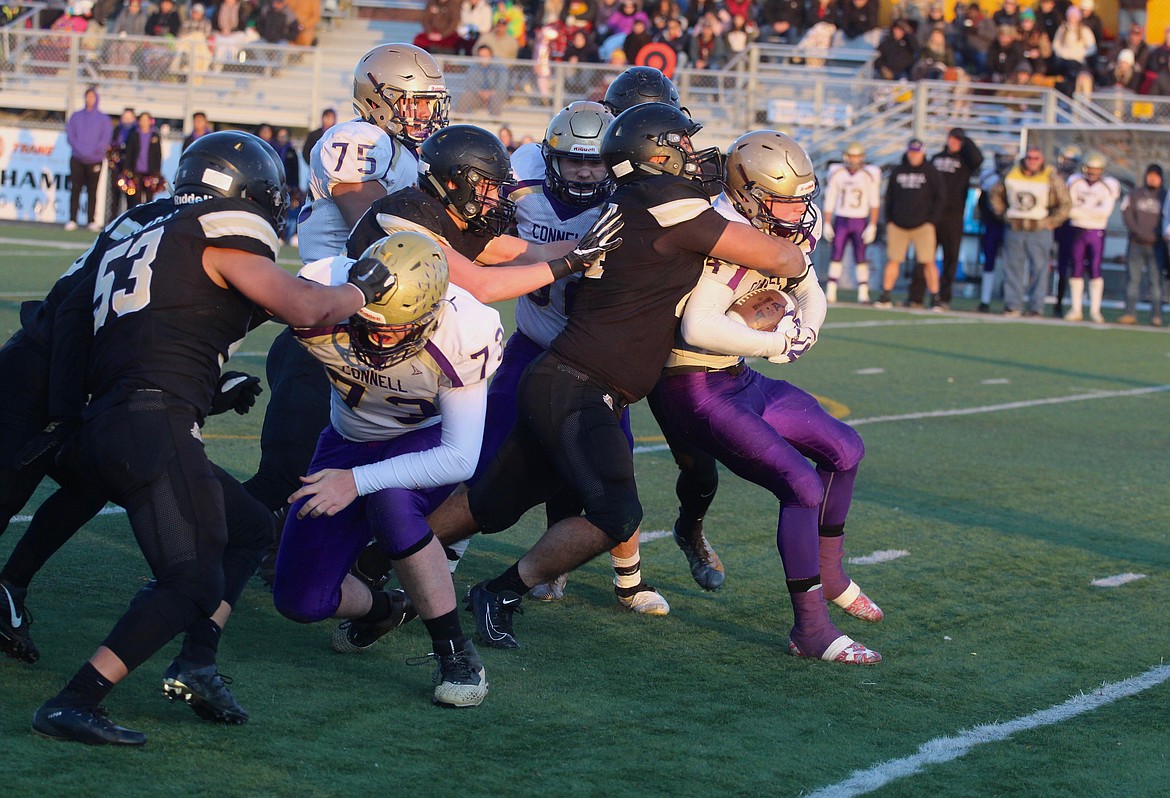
x: 380, y: 606
x: 446, y: 632
x: 627, y: 571
x: 832, y: 555
x: 509, y: 580
x: 87, y: 688
x: 201, y: 643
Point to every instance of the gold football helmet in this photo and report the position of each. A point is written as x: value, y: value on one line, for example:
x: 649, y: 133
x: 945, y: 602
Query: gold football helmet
x: 765, y: 167
x: 401, y: 89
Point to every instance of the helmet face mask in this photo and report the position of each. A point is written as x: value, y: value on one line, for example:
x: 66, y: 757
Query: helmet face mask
x: 464, y: 167
x: 231, y: 163
x: 400, y: 88
x: 574, y: 135
x: 396, y: 327
x: 765, y: 168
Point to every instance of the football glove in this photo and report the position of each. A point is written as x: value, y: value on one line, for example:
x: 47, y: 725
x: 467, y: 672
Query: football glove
x: 372, y: 278
x: 41, y: 447
x: 800, y: 341
x: 236, y: 391
x: 828, y: 233
x: 592, y: 247
x: 869, y: 234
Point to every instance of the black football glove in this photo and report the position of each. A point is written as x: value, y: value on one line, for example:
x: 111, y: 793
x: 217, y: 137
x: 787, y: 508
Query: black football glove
x: 592, y: 247
x: 372, y: 278
x: 41, y: 447
x: 236, y: 391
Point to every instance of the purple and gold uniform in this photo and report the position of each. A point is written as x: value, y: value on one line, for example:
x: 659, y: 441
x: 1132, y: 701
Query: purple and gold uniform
x: 410, y: 431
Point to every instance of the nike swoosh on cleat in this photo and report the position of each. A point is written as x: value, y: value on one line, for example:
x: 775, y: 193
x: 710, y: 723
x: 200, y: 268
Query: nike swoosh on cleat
x: 509, y: 602
x: 493, y: 633
x: 17, y: 620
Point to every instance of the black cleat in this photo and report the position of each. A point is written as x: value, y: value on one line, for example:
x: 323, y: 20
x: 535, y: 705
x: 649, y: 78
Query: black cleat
x: 14, y: 623
x: 493, y: 615
x: 206, y: 691
x: 706, y: 568
x: 352, y: 636
x: 460, y: 678
x: 87, y: 725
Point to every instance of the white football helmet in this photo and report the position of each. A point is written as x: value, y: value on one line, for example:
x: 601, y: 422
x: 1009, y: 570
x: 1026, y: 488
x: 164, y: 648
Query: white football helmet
x: 576, y: 133
x: 401, y: 89
x: 1094, y: 167
x: 854, y: 157
x: 396, y: 327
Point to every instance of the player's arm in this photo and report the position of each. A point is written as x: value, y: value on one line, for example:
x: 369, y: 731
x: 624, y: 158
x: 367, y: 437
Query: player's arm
x: 298, y: 302
x: 514, y: 251
x: 747, y: 246
x: 705, y: 324
x: 354, y: 199
x: 495, y: 283
x: 464, y: 409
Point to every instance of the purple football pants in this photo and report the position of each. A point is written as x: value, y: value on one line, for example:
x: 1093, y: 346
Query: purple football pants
x: 316, y: 553
x: 1087, y: 247
x: 766, y: 431
x: 848, y: 231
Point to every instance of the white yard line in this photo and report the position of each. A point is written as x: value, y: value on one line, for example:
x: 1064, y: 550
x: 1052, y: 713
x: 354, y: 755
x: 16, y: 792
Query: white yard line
x: 946, y: 749
x: 111, y: 510
x: 35, y: 242
x: 879, y: 556
x: 1117, y: 581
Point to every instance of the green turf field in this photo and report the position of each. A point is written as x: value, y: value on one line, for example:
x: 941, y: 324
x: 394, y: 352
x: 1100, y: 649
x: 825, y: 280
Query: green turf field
x: 1010, y: 462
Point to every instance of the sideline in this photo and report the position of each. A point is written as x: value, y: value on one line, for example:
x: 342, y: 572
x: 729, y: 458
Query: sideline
x: 945, y: 749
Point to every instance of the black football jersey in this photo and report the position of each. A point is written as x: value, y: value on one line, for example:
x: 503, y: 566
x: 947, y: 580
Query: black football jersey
x: 621, y: 325
x: 420, y: 208
x: 159, y: 322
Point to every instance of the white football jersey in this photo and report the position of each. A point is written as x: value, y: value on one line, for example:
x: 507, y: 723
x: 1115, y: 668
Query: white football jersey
x: 1092, y: 203
x: 370, y: 404
x: 350, y: 152
x: 741, y: 281
x: 540, y: 218
x: 853, y: 195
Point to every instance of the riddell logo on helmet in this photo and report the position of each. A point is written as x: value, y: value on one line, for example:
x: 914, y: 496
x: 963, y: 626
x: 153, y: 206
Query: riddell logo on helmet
x: 804, y: 188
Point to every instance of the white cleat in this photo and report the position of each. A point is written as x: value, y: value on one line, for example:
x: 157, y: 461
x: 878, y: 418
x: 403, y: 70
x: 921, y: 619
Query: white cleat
x: 645, y: 601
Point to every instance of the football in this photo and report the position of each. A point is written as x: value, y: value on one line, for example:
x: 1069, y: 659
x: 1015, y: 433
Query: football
x: 765, y: 309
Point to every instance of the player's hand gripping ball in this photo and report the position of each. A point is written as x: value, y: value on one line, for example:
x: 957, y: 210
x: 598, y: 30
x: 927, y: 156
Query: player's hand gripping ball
x: 767, y: 310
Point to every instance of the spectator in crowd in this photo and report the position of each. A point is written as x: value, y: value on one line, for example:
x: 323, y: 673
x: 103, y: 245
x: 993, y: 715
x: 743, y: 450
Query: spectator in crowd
x: 1050, y: 16
x: 131, y: 21
x: 638, y: 37
x: 1141, y: 210
x: 308, y: 14
x: 896, y: 54
x: 782, y: 21
x: 502, y: 43
x: 1037, y: 45
x: 196, y: 32
x: 143, y: 161
x: 914, y: 197
x: 1135, y: 41
x: 504, y: 134
x: 1094, y: 195
x: 165, y: 21
x: 1033, y: 201
x: 1125, y: 75
x: 264, y: 133
x: 232, y: 27
x: 1004, y: 55
x: 934, y: 21
x: 1008, y: 14
x: 199, y: 127
x: 662, y: 12
x: 328, y: 120
x: 439, y: 28
x: 581, y: 48
x: 749, y: 9
x: 1130, y: 13
x: 936, y: 60
x: 739, y: 34
x: 74, y: 21
x: 1015, y: 100
x: 1157, y: 80
x: 602, y: 11
x: 858, y: 23
x: 276, y: 24
x: 992, y: 233
x: 974, y: 33
x: 1073, y: 46
x: 1092, y: 20
x: 116, y: 157
x: 517, y: 23
x: 489, y: 83
x: 475, y: 19
x: 88, y: 134
x: 697, y: 9
x: 676, y: 38
x: 287, y: 151
x: 623, y: 18
x: 821, y: 11
x: 958, y: 161
x: 103, y: 11
x: 706, y: 51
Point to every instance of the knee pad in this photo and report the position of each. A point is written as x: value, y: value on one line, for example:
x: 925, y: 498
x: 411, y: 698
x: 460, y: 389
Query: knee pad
x: 298, y: 606
x: 619, y: 520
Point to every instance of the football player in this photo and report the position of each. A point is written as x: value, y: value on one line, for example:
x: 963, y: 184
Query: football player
x: 409, y: 378
x: 1094, y: 196
x: 852, y: 203
x: 159, y: 336
x: 762, y: 429
x: 619, y: 332
x: 637, y: 85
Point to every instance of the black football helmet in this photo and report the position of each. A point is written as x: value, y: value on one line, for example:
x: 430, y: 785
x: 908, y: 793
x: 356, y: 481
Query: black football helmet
x: 638, y: 85
x: 459, y: 165
x: 655, y: 138
x: 231, y: 163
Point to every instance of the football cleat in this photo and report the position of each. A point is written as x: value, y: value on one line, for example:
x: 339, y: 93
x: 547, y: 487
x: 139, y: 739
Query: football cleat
x: 460, y: 679
x: 706, y: 568
x: 844, y: 650
x: 206, y: 691
x: 642, y: 599
x: 14, y: 622
x: 493, y: 615
x: 87, y: 725
x: 550, y: 591
x: 353, y: 636
x: 859, y: 605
